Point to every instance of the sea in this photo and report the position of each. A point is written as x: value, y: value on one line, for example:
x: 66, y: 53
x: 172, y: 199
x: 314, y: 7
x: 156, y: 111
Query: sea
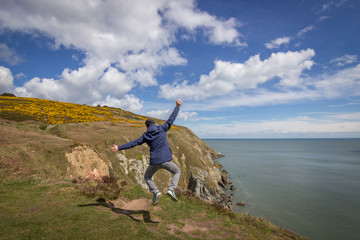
x: 309, y: 186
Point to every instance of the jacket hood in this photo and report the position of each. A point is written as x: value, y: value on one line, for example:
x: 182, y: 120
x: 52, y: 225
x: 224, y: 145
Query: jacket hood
x: 152, y: 128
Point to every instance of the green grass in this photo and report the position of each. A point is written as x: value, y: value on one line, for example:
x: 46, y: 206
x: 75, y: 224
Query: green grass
x: 38, y: 210
x: 134, y: 192
x: 32, y: 211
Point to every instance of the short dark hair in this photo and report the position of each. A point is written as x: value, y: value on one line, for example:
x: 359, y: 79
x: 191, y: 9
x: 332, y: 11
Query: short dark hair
x: 149, y: 122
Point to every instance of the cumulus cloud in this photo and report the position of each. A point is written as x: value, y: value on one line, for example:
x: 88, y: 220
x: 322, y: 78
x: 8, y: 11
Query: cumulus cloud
x: 8, y: 55
x: 219, y: 31
x: 345, y: 82
x: 279, y: 79
x: 115, y: 82
x: 164, y: 114
x: 6, y: 79
x: 125, y: 43
x: 277, y: 42
x: 42, y: 88
x: 128, y: 102
x: 227, y: 77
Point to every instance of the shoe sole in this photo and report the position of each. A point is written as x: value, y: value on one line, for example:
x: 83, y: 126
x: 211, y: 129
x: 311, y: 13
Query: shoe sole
x: 157, y: 200
x: 172, y: 197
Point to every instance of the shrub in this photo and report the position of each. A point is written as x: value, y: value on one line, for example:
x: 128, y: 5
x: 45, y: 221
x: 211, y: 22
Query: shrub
x: 107, y: 187
x: 43, y: 126
x: 8, y: 95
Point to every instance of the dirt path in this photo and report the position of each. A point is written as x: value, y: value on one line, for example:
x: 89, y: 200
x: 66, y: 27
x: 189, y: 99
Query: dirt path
x: 133, y: 205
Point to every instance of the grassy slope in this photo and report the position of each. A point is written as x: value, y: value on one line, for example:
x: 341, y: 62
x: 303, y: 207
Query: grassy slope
x: 39, y: 201
x: 34, y: 210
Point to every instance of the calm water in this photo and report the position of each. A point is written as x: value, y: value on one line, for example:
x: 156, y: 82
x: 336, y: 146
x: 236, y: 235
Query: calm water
x: 310, y: 186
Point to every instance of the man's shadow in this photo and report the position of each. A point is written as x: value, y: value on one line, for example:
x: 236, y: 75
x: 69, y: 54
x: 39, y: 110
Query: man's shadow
x: 129, y: 213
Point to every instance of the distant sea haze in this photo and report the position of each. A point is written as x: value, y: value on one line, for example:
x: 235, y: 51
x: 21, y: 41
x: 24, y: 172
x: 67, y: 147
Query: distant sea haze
x: 310, y: 186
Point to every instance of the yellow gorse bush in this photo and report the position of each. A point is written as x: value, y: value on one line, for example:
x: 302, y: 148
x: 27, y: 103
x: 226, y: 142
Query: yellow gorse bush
x: 54, y: 112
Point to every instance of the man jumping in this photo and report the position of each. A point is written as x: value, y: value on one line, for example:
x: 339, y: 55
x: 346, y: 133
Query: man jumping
x: 160, y: 154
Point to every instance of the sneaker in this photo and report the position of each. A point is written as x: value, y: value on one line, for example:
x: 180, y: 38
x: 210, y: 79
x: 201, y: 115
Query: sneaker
x: 156, y: 198
x: 171, y: 193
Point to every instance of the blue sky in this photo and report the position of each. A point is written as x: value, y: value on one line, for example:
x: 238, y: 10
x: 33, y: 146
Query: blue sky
x: 244, y: 69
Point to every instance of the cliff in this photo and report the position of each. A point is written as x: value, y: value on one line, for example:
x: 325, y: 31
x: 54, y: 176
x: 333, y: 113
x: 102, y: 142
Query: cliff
x: 44, y: 139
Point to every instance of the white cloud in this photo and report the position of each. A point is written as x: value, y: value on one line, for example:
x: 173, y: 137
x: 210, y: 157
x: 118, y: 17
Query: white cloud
x: 219, y: 31
x: 326, y: 6
x: 228, y: 77
x: 8, y: 55
x: 236, y: 85
x: 125, y: 43
x: 151, y: 61
x: 6, y: 79
x: 333, y: 4
x: 345, y: 60
x: 20, y: 75
x: 115, y: 82
x: 303, y: 31
x: 257, y: 97
x: 160, y: 114
x: 347, y: 116
x: 299, y: 127
x: 277, y: 42
x: 128, y: 102
x: 345, y: 82
x: 187, y: 115
x: 165, y: 114
x: 322, y: 18
x: 42, y: 88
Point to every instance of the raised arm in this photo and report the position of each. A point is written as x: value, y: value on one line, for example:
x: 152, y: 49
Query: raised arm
x: 173, y: 116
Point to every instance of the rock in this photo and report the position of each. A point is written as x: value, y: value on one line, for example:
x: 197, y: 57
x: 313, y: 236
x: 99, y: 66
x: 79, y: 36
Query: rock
x: 224, y: 180
x: 84, y: 161
x: 216, y: 196
x: 135, y: 167
x: 94, y: 174
x: 241, y: 204
x: 221, y: 184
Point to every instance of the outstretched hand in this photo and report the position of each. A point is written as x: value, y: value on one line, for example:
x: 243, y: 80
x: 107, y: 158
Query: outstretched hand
x: 114, y: 148
x: 179, y: 102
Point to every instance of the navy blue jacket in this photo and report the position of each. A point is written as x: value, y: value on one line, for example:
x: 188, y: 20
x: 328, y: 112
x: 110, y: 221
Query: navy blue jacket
x: 156, y: 139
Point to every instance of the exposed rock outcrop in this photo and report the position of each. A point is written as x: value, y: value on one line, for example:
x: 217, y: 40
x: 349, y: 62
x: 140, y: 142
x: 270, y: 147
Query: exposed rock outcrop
x: 136, y: 167
x: 83, y: 160
x: 207, y: 193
